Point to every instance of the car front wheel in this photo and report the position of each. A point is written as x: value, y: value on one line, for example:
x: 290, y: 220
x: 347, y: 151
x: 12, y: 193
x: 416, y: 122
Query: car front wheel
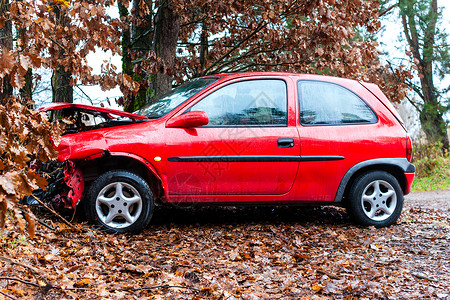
x: 119, y: 201
x: 376, y: 199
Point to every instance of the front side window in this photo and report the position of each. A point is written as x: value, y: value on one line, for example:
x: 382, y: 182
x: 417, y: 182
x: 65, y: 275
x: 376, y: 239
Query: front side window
x: 324, y: 103
x: 174, y: 98
x: 247, y: 103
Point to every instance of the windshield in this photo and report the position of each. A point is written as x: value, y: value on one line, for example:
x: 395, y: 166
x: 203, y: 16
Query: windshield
x: 174, y: 98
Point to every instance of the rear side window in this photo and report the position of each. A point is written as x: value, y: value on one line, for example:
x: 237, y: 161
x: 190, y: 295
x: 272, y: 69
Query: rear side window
x: 324, y: 103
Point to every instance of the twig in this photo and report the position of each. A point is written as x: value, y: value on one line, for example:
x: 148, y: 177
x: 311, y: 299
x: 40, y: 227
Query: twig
x: 54, y: 212
x: 46, y: 225
x: 58, y: 44
x: 72, y: 288
x: 12, y: 261
x: 6, y: 37
x: 160, y: 287
x: 136, y: 39
x: 86, y: 95
x: 36, y: 272
x: 193, y: 22
x: 48, y: 286
x: 8, y: 296
x: 423, y: 276
x: 332, y: 276
x: 20, y: 280
x: 382, y: 13
x: 260, y: 26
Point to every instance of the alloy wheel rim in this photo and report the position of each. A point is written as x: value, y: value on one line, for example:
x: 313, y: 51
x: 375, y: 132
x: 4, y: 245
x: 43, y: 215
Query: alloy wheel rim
x: 118, y: 205
x: 379, y: 200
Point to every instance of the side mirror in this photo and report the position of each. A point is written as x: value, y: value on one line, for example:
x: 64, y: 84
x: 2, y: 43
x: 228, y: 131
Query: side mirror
x: 190, y: 119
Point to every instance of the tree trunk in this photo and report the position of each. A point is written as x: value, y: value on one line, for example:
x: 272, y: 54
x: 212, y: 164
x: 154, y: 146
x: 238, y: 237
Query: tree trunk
x: 167, y: 27
x: 6, y: 41
x: 203, y: 48
x: 27, y: 90
x: 141, y: 43
x: 127, y: 66
x: 431, y: 116
x: 142, y: 30
x: 422, y: 48
x: 62, y: 89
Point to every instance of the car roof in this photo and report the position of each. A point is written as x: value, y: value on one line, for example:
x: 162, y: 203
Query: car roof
x: 250, y: 74
x: 230, y: 76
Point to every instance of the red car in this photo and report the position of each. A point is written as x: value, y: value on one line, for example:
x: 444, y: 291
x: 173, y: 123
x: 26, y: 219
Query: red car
x: 251, y: 138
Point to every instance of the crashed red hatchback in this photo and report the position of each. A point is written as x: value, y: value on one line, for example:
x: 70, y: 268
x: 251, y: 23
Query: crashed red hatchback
x: 231, y: 139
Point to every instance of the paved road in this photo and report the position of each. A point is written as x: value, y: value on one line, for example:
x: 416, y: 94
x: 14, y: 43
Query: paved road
x: 438, y: 200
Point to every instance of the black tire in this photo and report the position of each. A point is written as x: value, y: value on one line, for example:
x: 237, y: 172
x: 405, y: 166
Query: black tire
x: 375, y: 199
x: 119, y: 201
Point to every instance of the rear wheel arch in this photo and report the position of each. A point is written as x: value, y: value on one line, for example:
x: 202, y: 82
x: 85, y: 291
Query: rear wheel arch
x: 394, y: 166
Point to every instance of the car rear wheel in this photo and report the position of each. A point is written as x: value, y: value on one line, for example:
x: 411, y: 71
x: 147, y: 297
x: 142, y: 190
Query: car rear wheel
x: 119, y: 201
x: 376, y: 199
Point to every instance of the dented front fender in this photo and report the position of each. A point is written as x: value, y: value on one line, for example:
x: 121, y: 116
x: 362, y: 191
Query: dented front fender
x: 73, y: 146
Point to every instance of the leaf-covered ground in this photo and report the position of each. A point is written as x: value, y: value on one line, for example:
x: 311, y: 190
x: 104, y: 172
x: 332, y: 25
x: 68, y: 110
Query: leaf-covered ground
x: 229, y: 253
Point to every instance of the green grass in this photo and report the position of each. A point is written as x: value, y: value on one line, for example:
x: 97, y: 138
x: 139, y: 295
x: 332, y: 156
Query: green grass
x: 438, y: 181
x: 432, y: 168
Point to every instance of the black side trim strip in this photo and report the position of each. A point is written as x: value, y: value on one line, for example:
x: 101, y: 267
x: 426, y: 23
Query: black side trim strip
x: 250, y: 158
x: 320, y: 158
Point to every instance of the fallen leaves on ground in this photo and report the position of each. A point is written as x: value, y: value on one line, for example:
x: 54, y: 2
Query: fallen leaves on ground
x: 234, y: 253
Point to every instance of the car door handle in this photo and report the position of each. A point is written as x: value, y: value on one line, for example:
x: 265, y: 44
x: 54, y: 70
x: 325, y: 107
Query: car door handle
x: 285, y: 143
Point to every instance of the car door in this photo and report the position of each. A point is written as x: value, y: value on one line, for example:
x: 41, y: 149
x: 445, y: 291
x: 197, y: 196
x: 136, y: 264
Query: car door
x: 248, y: 147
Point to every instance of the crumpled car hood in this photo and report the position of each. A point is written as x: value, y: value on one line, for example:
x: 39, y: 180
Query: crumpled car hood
x: 61, y: 105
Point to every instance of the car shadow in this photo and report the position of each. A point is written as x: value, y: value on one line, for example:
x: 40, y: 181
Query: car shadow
x: 226, y: 215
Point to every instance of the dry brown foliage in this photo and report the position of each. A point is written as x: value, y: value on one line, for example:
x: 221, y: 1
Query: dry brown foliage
x: 246, y: 253
x: 42, y: 37
x: 25, y: 136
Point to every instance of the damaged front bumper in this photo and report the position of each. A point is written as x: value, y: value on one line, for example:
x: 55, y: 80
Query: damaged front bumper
x: 65, y: 185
